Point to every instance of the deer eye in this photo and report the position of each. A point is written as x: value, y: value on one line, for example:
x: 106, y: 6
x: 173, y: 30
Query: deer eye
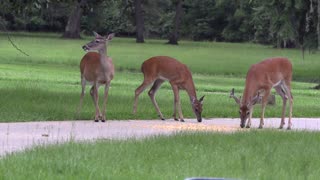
x: 248, y: 113
x: 97, y: 41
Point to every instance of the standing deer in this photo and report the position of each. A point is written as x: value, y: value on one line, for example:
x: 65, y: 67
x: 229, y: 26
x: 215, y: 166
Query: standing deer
x: 270, y: 73
x: 158, y: 69
x: 97, y: 69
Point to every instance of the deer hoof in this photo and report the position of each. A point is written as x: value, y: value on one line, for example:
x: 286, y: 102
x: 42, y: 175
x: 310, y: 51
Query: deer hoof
x: 103, y: 120
x: 176, y: 119
x: 260, y: 127
x: 288, y: 128
x: 182, y: 120
x: 96, y: 120
x: 248, y: 126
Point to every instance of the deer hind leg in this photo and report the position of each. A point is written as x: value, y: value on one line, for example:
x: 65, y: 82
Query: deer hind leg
x: 138, y: 91
x: 177, y: 104
x: 152, y: 92
x: 83, y: 86
x: 106, y: 91
x: 95, y: 96
x: 263, y: 107
x: 281, y: 90
x: 287, y: 87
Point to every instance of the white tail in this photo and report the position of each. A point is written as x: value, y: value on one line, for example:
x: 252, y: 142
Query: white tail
x: 261, y: 78
x: 160, y: 68
x: 97, y: 69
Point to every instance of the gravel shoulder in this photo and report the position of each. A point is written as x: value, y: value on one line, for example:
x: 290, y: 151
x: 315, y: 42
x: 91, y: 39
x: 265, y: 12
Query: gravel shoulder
x: 22, y: 135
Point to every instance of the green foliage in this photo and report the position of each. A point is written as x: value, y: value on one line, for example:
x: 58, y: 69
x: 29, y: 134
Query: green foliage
x: 251, y: 154
x: 289, y: 23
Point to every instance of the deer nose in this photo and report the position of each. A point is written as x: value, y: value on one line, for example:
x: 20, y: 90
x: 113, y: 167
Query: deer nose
x: 199, y: 119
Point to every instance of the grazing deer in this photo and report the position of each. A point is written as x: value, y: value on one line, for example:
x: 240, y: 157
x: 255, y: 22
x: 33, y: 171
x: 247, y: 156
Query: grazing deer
x: 158, y: 69
x: 271, y: 73
x: 97, y: 69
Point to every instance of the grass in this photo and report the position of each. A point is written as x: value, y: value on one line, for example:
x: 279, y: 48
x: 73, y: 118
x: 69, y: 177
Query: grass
x: 242, y: 155
x: 46, y: 84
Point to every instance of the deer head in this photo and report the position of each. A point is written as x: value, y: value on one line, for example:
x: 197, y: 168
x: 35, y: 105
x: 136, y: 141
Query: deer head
x: 197, y: 107
x: 100, y: 42
x: 245, y: 108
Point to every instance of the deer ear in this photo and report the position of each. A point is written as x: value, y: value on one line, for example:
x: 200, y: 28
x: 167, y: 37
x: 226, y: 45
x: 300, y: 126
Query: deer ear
x: 110, y: 36
x: 96, y: 34
x: 201, y: 99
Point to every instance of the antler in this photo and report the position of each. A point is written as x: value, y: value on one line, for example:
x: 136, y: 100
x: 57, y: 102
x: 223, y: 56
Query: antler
x: 256, y: 99
x: 234, y: 97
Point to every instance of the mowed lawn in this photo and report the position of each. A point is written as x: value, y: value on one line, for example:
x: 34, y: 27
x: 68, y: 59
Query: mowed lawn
x: 255, y: 154
x: 46, y: 84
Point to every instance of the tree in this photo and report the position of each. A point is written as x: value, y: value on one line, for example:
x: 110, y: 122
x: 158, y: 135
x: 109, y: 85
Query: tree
x: 174, y: 35
x: 139, y: 21
x: 318, y: 26
x: 72, y: 29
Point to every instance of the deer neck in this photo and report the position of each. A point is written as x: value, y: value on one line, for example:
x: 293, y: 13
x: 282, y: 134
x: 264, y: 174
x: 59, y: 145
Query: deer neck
x: 191, y: 91
x: 103, y: 58
x: 248, y: 94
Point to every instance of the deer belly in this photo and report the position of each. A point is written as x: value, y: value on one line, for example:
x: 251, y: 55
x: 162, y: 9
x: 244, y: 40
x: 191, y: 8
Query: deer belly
x: 99, y: 81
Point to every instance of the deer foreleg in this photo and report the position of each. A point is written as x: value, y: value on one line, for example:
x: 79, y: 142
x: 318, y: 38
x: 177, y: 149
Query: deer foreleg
x: 152, y: 92
x: 106, y: 91
x: 177, y: 101
x: 263, y: 107
x: 249, y: 119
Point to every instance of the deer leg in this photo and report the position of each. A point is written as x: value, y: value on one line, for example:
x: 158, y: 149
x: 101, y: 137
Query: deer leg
x: 282, y: 92
x: 290, y: 111
x: 287, y: 89
x: 263, y: 107
x: 177, y: 101
x: 138, y: 91
x: 152, y: 92
x: 106, y: 91
x: 95, y: 96
x: 83, y: 86
x: 249, y: 119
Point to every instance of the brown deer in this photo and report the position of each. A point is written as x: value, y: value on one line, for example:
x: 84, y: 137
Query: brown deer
x: 270, y: 73
x: 97, y: 69
x: 157, y: 70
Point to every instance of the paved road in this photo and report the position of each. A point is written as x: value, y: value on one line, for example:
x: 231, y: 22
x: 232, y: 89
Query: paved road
x: 20, y: 136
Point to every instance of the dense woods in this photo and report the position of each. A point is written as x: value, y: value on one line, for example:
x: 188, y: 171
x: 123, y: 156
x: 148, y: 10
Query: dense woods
x: 284, y: 24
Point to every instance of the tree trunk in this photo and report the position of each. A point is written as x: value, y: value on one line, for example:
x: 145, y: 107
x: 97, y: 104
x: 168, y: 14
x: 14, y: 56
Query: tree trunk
x: 174, y: 36
x: 72, y: 29
x: 318, y: 26
x: 139, y: 21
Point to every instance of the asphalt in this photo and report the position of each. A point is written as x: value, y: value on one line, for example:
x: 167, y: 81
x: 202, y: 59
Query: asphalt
x: 15, y: 137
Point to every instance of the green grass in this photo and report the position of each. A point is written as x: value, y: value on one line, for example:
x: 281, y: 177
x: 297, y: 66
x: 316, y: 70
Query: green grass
x: 46, y: 84
x: 242, y: 155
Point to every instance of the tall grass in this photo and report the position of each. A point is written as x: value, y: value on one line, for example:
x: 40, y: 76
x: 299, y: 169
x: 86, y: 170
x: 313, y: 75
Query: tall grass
x: 241, y: 155
x: 46, y: 85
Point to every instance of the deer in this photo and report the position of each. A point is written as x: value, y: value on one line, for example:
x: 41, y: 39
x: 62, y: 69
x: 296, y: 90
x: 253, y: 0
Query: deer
x: 97, y: 69
x: 156, y: 71
x: 261, y: 78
